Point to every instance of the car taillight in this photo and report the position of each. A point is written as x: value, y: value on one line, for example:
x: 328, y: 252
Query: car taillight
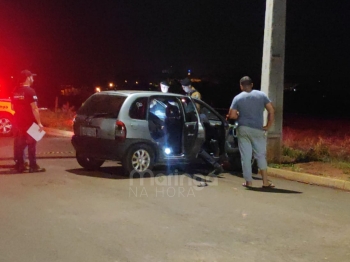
x: 120, y: 131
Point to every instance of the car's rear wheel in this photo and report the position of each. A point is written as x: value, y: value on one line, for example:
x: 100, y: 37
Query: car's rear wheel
x: 139, y: 159
x: 89, y: 163
x: 6, y: 124
x: 235, y: 164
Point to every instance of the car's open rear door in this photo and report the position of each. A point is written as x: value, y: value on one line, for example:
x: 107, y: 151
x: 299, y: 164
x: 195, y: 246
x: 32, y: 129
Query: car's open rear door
x: 193, y: 132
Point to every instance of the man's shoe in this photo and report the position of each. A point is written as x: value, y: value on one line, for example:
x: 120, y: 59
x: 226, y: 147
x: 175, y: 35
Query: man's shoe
x: 36, y: 168
x: 20, y: 168
x: 26, y: 166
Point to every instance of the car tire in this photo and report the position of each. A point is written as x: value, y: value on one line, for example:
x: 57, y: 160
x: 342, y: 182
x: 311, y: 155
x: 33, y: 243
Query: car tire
x: 255, y: 169
x: 89, y: 163
x: 139, y: 159
x: 234, y: 161
x: 6, y: 124
x: 235, y: 164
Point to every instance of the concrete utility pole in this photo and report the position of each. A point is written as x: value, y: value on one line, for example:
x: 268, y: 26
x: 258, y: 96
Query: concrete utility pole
x: 272, y: 78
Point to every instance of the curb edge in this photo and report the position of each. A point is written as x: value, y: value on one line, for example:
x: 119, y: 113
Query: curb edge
x: 309, y: 179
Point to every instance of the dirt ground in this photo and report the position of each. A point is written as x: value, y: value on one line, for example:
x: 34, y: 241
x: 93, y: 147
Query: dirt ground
x: 320, y: 169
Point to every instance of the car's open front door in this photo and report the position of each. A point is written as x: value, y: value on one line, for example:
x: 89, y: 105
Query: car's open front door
x: 215, y: 126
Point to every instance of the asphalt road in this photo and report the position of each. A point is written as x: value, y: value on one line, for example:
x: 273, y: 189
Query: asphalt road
x: 68, y: 214
x: 49, y: 146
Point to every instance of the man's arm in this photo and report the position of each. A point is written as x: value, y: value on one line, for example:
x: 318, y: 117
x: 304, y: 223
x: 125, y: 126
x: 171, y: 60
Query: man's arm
x: 270, y: 116
x: 198, y: 96
x: 232, y: 114
x: 36, y: 114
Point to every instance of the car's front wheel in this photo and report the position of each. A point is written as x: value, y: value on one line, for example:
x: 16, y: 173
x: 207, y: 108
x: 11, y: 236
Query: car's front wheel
x: 139, y: 159
x: 88, y: 163
x: 6, y: 125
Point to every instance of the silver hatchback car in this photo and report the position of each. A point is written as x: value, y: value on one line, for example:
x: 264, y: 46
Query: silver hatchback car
x: 142, y: 129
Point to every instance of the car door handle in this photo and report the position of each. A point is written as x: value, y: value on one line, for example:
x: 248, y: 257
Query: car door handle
x: 190, y: 134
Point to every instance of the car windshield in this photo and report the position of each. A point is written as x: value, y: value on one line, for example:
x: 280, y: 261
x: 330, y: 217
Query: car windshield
x: 102, y: 105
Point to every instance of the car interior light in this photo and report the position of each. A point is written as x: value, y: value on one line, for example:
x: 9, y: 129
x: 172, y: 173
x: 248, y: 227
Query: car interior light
x: 167, y: 150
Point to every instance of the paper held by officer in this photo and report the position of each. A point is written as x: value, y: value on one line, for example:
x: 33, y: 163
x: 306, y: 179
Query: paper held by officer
x: 34, y: 132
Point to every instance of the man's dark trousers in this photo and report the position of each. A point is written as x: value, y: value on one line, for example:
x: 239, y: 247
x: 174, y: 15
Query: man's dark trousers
x: 21, y: 140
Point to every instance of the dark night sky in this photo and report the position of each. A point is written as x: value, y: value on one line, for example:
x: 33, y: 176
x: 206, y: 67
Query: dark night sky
x: 86, y: 42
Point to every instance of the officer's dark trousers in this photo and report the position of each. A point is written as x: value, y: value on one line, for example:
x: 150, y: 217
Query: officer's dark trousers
x: 21, y: 141
x: 208, y: 158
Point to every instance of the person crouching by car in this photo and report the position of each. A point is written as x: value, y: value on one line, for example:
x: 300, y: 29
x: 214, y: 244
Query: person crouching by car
x: 203, y: 154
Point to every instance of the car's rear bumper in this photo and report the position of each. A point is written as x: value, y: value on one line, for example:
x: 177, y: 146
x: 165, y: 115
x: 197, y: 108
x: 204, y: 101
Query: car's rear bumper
x: 105, y: 149
x: 98, y: 148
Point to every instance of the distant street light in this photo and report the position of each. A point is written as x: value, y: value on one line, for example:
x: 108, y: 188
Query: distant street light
x: 111, y: 84
x: 97, y: 89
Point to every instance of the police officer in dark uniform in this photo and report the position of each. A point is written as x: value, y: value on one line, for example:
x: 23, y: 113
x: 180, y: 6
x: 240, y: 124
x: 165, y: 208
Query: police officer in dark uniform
x: 189, y: 89
x: 24, y: 103
x: 192, y: 92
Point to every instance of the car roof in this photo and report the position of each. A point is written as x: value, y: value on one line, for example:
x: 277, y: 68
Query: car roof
x: 138, y: 93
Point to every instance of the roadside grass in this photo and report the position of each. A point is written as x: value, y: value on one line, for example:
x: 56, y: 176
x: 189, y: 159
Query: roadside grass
x: 308, y: 139
x: 62, y: 119
x: 344, y: 166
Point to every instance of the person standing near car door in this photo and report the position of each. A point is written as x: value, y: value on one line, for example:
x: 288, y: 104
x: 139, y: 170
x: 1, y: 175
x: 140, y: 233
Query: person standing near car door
x: 164, y: 86
x: 203, y: 154
x: 190, y: 90
x: 24, y: 102
x: 248, y: 108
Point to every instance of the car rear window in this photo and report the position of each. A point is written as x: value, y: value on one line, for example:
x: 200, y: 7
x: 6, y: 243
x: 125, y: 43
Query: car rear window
x: 138, y: 108
x: 102, y: 104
